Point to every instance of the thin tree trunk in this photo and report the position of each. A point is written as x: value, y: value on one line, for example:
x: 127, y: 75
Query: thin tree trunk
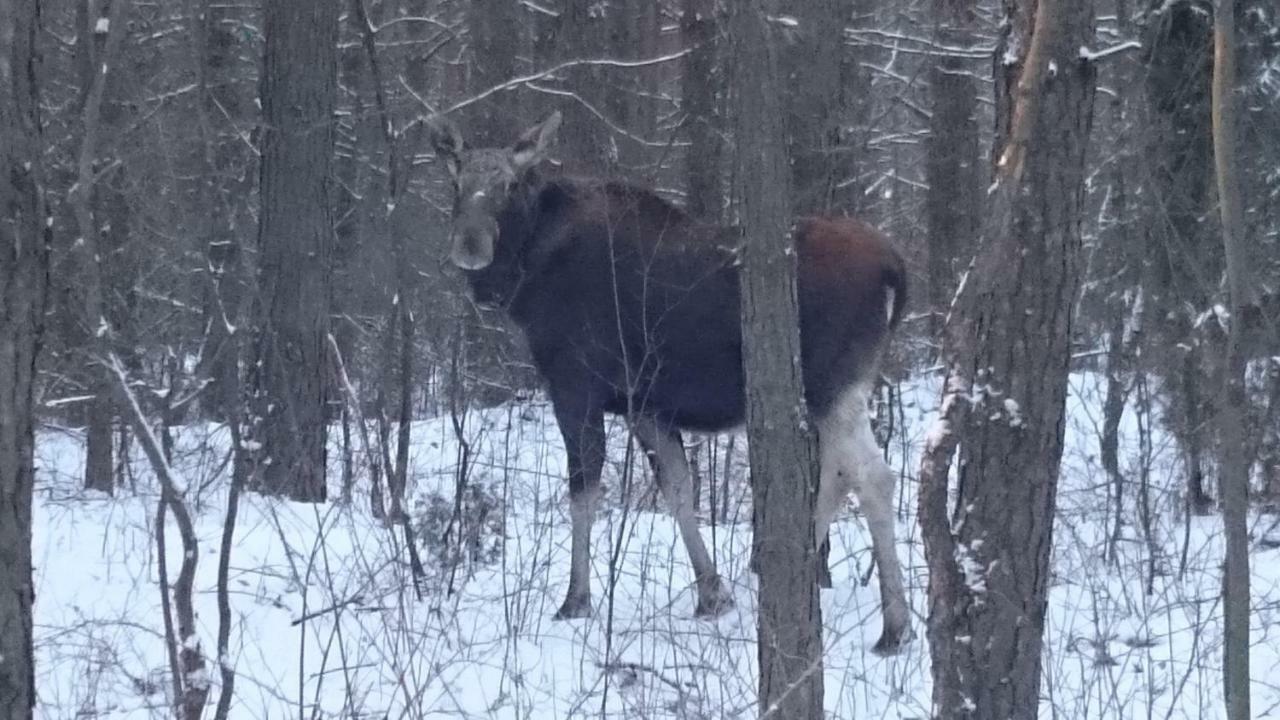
x: 1182, y: 262
x: 400, y: 314
x: 583, y: 32
x: 1233, y: 463
x: 1270, y: 455
x: 99, y: 467
x: 191, y: 681
x: 699, y: 84
x: 951, y: 160
x: 812, y: 107
x: 226, y: 668
x: 1112, y: 413
x: 400, y: 476
x: 1007, y: 353
x: 217, y: 47
x: 783, y: 449
x: 24, y: 282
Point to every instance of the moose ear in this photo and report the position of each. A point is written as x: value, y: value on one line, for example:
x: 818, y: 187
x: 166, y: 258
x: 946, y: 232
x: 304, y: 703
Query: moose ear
x: 446, y: 139
x: 532, y: 145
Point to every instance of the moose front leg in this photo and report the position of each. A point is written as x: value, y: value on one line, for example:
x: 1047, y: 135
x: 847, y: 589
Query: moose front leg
x: 583, y: 429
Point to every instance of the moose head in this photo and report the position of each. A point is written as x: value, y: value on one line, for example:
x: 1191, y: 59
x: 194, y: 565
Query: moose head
x: 485, y: 181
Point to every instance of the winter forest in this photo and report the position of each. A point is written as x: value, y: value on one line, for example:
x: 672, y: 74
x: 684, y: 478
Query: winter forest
x: 640, y: 359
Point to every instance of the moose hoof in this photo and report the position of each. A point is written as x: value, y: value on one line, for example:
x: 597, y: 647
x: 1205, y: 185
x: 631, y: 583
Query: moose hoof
x: 713, y: 602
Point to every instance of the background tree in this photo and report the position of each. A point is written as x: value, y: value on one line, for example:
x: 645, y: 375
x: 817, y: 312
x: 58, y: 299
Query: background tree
x: 783, y: 450
x: 295, y: 241
x: 951, y: 155
x: 24, y: 276
x: 1008, y: 350
x: 224, y: 187
x: 812, y: 65
x: 1183, y: 260
x: 95, y: 207
x: 700, y: 100
x: 1234, y: 459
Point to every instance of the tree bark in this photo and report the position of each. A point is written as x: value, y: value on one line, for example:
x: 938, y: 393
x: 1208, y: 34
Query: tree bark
x: 295, y: 241
x: 493, y: 29
x: 225, y: 177
x: 1007, y: 353
x: 24, y: 281
x: 581, y: 33
x: 699, y: 81
x: 783, y: 449
x: 812, y: 80
x: 1234, y: 460
x: 951, y: 158
x: 190, y: 681
x: 1183, y: 261
x: 99, y: 470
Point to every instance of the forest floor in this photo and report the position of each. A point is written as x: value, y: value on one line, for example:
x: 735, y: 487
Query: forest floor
x: 326, y: 623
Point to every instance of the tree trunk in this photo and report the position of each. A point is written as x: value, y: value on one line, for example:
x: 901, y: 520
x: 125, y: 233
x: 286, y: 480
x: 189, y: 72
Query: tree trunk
x: 582, y: 32
x: 783, y: 449
x: 812, y: 109
x: 104, y: 49
x: 24, y: 280
x: 1184, y: 263
x: 295, y: 242
x: 224, y: 177
x: 700, y: 78
x: 951, y: 158
x: 1007, y: 354
x: 492, y: 61
x: 1234, y: 460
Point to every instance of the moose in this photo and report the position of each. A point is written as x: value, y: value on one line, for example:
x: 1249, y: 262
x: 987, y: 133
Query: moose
x: 631, y: 307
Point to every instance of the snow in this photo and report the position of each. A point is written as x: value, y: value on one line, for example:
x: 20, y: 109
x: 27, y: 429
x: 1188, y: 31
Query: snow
x: 325, y: 617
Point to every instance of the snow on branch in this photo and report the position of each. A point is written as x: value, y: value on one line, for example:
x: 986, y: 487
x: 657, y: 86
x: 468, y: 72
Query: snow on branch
x: 170, y: 479
x: 1104, y: 53
x: 532, y: 77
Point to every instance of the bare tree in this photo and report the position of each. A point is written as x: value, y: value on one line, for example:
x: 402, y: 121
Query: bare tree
x: 225, y: 180
x: 1007, y: 353
x: 1234, y: 459
x: 581, y: 32
x: 812, y: 109
x: 101, y: 47
x: 951, y: 156
x: 295, y: 239
x: 702, y: 68
x: 24, y: 275
x: 783, y: 448
x: 182, y: 640
x: 1183, y: 261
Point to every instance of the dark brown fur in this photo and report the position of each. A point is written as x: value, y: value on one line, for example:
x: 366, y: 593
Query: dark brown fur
x: 633, y: 306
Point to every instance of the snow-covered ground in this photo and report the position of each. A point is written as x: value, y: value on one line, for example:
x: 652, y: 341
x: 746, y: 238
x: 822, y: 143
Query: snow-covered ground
x: 326, y: 623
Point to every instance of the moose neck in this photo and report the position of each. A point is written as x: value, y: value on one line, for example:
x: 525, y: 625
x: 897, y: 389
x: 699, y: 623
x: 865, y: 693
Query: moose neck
x: 500, y: 282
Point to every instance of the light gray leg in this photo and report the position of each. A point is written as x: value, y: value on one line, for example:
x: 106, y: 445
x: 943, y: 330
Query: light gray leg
x: 671, y: 468
x: 583, y: 428
x: 851, y: 459
x: 582, y: 513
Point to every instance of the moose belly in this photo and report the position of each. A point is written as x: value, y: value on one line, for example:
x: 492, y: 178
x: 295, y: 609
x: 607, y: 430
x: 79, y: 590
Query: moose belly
x: 699, y: 396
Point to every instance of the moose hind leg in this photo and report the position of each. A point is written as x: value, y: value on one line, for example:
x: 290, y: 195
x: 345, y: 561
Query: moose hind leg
x: 665, y: 450
x: 851, y: 457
